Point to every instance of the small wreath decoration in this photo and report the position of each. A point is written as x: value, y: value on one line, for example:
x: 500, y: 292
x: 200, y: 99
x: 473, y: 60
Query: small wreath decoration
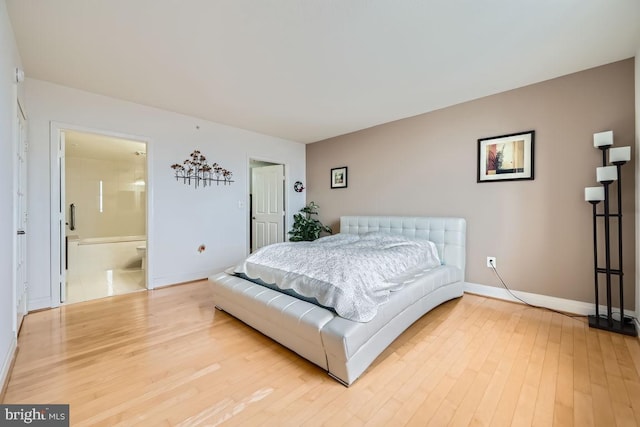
x: 298, y: 187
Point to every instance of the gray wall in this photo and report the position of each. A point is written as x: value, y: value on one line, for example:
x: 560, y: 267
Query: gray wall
x: 540, y: 230
x: 637, y: 157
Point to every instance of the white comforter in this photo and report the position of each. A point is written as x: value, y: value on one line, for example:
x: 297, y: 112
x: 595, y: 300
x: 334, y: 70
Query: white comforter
x: 351, y: 273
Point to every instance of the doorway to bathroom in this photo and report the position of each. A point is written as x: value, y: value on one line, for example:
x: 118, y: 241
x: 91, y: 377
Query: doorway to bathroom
x: 103, y: 202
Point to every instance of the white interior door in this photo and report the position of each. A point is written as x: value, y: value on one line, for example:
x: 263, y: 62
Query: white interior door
x: 20, y: 284
x: 267, y: 202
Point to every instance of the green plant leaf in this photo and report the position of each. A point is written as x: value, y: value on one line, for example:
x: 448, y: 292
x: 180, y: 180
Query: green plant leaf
x: 306, y: 228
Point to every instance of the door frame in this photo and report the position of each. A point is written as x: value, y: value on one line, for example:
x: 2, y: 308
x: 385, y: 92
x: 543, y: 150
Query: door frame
x: 16, y: 147
x: 56, y: 240
x: 285, y: 195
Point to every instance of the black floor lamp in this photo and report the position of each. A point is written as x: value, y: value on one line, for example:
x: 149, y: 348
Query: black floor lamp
x: 607, y: 175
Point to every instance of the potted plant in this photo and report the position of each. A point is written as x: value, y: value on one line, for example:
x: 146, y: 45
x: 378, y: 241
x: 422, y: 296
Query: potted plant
x: 305, y: 227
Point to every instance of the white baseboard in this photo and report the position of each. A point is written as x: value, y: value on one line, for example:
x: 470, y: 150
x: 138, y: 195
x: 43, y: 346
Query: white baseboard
x: 560, y: 304
x: 6, y: 365
x: 180, y: 278
x: 39, y: 303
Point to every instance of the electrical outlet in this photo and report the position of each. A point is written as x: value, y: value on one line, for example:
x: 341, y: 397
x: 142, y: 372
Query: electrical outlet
x: 491, y: 262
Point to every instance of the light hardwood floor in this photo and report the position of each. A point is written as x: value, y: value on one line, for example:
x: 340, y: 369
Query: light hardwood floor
x: 167, y: 357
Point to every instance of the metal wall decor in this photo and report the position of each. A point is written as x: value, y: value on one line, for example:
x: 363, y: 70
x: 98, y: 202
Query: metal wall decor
x: 298, y: 187
x: 195, y: 170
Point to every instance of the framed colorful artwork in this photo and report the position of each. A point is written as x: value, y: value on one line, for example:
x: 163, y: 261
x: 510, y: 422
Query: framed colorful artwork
x: 506, y: 157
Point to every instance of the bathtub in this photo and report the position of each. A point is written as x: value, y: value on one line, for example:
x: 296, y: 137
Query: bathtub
x: 103, y: 253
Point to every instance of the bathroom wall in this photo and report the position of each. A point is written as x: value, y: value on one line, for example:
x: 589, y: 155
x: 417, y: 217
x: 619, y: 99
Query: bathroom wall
x: 106, y: 187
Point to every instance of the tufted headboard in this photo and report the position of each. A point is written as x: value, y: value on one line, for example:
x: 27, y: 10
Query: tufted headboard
x: 449, y: 234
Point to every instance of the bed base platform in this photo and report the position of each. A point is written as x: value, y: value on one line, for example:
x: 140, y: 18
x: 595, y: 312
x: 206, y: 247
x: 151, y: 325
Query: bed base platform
x: 345, y: 348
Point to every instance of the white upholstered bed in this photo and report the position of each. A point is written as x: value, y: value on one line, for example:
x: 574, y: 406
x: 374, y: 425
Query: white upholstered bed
x: 345, y: 348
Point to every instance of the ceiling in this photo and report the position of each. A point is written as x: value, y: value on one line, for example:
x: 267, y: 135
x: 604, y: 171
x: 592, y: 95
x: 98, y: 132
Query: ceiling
x: 306, y: 70
x: 92, y: 146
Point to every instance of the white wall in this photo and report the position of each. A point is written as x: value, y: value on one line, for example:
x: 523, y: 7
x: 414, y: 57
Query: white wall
x: 184, y: 217
x: 9, y: 60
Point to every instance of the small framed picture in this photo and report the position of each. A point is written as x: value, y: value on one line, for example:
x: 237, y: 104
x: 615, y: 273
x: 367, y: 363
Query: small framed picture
x: 339, y: 177
x: 506, y: 157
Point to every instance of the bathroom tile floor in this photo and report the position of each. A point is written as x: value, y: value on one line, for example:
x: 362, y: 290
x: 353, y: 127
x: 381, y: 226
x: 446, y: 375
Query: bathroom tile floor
x: 99, y: 284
